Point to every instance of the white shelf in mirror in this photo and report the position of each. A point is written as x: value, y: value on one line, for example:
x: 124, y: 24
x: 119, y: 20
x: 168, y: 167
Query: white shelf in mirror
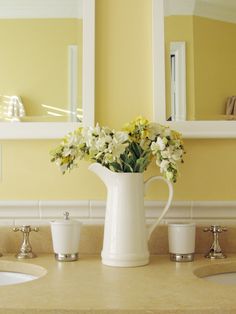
x: 189, y: 129
x: 53, y: 130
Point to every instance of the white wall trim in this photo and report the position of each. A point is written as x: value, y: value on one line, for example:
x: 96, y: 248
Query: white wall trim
x: 217, y: 10
x: 33, y: 130
x: 27, y: 9
x: 180, y: 7
x: 40, y: 212
x: 88, y: 71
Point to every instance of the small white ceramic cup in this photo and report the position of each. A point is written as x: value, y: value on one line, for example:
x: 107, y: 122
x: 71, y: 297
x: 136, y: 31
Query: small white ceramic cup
x: 181, y: 238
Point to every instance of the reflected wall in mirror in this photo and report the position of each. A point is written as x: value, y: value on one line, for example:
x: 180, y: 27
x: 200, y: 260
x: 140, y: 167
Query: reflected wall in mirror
x: 41, y: 60
x: 188, y: 128
x: 208, y: 29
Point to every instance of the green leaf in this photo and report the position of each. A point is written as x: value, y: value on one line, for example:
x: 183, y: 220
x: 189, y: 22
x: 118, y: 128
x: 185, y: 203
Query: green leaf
x: 128, y: 160
x: 115, y: 166
x: 142, y: 163
x: 136, y: 149
x: 127, y: 167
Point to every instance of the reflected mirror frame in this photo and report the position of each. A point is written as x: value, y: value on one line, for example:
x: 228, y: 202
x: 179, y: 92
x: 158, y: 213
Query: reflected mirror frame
x: 51, y: 130
x: 189, y: 129
x: 177, y: 59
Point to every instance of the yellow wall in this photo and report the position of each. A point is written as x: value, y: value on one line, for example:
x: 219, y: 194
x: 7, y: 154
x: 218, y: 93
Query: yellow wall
x: 123, y: 90
x: 215, y: 66
x: 34, y: 61
x: 123, y: 60
x: 180, y: 28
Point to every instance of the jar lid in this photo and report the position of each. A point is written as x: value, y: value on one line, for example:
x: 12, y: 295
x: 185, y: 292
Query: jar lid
x: 66, y: 220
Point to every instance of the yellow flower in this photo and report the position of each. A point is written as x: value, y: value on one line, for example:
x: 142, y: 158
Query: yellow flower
x: 141, y: 121
x: 137, y: 123
x: 176, y: 135
x: 129, y: 127
x: 145, y: 134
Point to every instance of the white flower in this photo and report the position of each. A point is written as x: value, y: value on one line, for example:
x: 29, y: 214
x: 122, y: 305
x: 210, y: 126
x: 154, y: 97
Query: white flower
x: 154, y: 147
x: 108, y: 158
x: 67, y: 151
x: 177, y: 155
x: 159, y: 145
x: 145, y: 144
x: 121, y: 137
x: 138, y: 144
x: 167, y: 153
x: 101, y: 143
x: 169, y: 175
x: 118, y: 149
x: 164, y: 165
x: 152, y: 131
x: 155, y: 129
x: 166, y: 132
x: 63, y: 167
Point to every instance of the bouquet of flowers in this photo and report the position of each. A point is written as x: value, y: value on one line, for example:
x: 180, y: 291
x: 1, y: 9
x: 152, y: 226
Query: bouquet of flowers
x: 130, y: 150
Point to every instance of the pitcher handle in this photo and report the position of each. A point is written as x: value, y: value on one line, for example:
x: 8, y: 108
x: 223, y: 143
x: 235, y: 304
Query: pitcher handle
x: 168, y: 203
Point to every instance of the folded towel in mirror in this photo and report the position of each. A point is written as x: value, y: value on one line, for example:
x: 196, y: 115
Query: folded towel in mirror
x: 231, y: 106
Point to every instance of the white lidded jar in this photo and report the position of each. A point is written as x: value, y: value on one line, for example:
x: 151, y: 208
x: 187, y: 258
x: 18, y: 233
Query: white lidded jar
x: 65, y: 238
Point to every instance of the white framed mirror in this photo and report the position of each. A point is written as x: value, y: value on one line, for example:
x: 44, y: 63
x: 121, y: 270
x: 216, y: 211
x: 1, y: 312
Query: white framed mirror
x: 47, y: 55
x: 214, y: 128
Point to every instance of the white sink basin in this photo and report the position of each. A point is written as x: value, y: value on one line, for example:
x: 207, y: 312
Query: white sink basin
x: 11, y: 278
x: 17, y: 272
x: 225, y: 278
x: 222, y: 273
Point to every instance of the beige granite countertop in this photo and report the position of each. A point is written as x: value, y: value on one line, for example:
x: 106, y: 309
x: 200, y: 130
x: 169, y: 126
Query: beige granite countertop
x: 87, y: 286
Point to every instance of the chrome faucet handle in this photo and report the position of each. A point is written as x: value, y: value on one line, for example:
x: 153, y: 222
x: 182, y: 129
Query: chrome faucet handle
x: 215, y: 251
x: 26, y: 249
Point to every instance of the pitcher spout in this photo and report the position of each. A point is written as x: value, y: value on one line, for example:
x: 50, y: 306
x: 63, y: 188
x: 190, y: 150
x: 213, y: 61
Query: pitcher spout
x: 102, y: 172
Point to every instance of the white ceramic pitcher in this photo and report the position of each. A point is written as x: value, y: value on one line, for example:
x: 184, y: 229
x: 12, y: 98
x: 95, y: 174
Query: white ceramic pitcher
x: 125, y: 242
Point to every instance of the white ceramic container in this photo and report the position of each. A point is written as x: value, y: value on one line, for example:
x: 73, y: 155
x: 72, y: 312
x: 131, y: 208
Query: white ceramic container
x: 181, y: 238
x: 125, y: 242
x: 65, y: 238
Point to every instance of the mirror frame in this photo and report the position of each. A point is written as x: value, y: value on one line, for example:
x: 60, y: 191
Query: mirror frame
x: 189, y: 129
x: 52, y: 130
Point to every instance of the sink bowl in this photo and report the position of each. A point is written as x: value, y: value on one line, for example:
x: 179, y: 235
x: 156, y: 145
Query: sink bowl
x: 11, y: 278
x: 17, y: 272
x: 222, y: 273
x: 226, y: 278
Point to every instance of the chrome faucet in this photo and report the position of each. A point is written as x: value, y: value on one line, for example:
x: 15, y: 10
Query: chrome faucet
x: 26, y: 249
x: 215, y: 251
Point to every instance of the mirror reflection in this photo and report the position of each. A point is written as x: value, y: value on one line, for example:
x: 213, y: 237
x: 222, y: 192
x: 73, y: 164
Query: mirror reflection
x: 200, y: 76
x: 41, y: 60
